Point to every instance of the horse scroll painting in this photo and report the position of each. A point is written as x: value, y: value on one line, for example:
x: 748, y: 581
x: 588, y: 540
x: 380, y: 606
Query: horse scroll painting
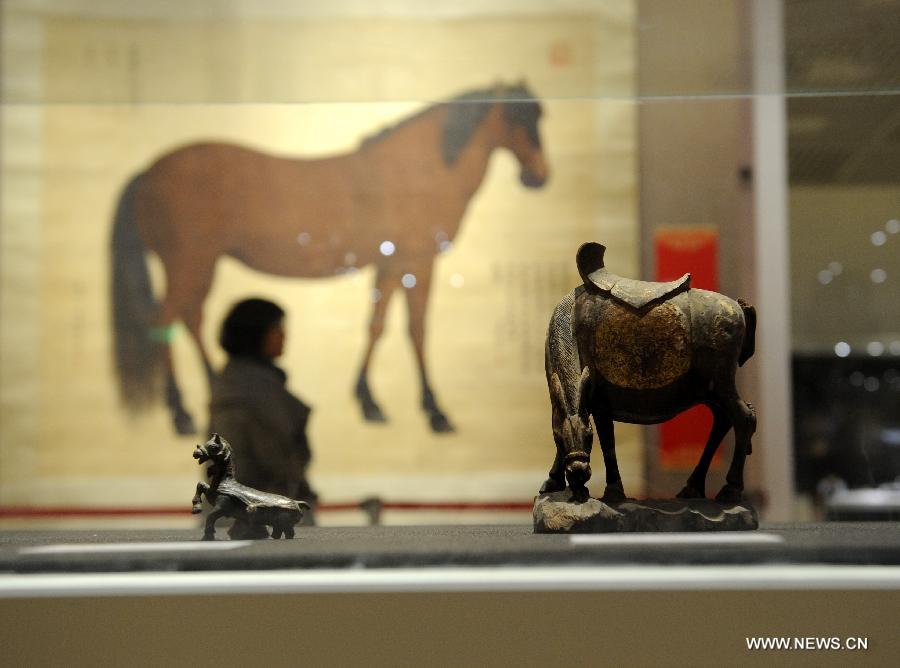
x: 395, y: 203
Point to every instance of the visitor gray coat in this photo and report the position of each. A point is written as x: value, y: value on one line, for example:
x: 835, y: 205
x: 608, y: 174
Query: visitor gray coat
x: 266, y: 425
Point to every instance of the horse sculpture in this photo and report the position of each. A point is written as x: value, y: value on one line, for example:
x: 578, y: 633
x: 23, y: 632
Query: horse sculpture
x: 395, y: 203
x: 232, y: 499
x: 638, y: 352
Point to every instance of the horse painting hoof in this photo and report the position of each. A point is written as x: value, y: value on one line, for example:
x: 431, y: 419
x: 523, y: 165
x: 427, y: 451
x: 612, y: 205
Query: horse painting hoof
x: 184, y: 423
x: 372, y: 412
x: 550, y: 486
x: 613, y: 494
x: 195, y: 509
x: 730, y: 494
x: 690, y: 492
x: 439, y: 423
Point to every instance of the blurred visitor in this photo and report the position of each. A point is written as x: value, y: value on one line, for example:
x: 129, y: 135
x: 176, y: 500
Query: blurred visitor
x: 252, y: 407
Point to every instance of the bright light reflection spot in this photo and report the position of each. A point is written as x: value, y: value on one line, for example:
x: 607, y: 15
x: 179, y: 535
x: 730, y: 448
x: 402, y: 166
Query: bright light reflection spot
x: 825, y: 277
x: 376, y: 295
x: 842, y: 349
x: 892, y: 226
x: 303, y: 238
x: 387, y: 248
x: 457, y: 280
x: 444, y: 246
x: 894, y: 347
x: 878, y: 275
x: 835, y: 268
x: 875, y: 348
x: 872, y: 384
x: 408, y: 281
x: 878, y: 238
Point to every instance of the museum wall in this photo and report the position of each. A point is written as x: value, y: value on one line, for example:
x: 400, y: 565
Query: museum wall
x: 695, y: 167
x: 93, y: 93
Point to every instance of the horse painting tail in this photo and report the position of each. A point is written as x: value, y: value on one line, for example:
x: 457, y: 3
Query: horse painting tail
x: 748, y: 347
x: 137, y: 357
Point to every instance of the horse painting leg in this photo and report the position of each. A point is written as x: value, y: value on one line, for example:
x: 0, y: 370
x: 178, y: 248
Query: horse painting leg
x: 615, y: 490
x: 187, y: 283
x: 417, y: 303
x: 194, y: 321
x: 181, y: 419
x: 385, y: 284
x: 696, y: 483
x: 163, y: 333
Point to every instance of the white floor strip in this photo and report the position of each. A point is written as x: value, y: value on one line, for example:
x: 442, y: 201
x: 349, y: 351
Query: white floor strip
x: 710, y: 538
x: 107, y: 548
x: 500, y: 579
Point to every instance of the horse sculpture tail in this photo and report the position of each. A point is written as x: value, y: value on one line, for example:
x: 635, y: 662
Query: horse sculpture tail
x: 748, y: 347
x: 137, y: 357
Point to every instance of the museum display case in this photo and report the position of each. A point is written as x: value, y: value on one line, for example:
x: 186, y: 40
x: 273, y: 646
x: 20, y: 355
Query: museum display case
x: 410, y: 183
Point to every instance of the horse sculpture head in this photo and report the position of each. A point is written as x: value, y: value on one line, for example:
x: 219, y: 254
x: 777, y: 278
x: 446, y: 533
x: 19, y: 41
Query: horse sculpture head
x: 520, y: 114
x: 216, y: 450
x: 574, y: 432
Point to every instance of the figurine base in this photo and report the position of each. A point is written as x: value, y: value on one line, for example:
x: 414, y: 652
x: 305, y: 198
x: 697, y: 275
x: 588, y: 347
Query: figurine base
x: 559, y: 512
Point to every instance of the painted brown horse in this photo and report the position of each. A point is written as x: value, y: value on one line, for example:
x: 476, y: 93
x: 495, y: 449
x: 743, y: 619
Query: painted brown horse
x: 395, y: 203
x: 632, y: 351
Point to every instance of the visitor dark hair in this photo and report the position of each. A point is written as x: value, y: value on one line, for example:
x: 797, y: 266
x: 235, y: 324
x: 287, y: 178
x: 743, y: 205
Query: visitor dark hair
x: 246, y: 324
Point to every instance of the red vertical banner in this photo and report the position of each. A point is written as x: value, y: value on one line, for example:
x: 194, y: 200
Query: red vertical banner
x: 678, y: 250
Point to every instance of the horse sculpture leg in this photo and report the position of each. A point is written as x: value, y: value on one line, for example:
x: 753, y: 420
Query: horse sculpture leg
x: 695, y: 488
x: 202, y: 489
x: 744, y: 428
x: 220, y: 509
x: 417, y: 302
x: 385, y: 284
x: 743, y: 417
x: 556, y: 479
x: 606, y: 434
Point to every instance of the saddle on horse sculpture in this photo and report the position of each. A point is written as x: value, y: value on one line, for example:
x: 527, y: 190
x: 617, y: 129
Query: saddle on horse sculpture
x: 640, y: 295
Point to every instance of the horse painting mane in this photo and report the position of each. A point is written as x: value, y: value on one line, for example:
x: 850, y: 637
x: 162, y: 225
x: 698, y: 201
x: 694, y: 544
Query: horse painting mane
x: 465, y: 112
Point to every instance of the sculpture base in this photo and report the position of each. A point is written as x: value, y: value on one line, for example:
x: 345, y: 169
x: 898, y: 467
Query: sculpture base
x: 559, y: 512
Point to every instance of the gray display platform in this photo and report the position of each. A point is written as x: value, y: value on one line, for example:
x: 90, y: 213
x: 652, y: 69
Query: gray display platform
x: 851, y: 543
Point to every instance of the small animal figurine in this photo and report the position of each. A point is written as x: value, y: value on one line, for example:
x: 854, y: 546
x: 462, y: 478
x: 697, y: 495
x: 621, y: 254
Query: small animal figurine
x: 631, y: 351
x: 230, y: 498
